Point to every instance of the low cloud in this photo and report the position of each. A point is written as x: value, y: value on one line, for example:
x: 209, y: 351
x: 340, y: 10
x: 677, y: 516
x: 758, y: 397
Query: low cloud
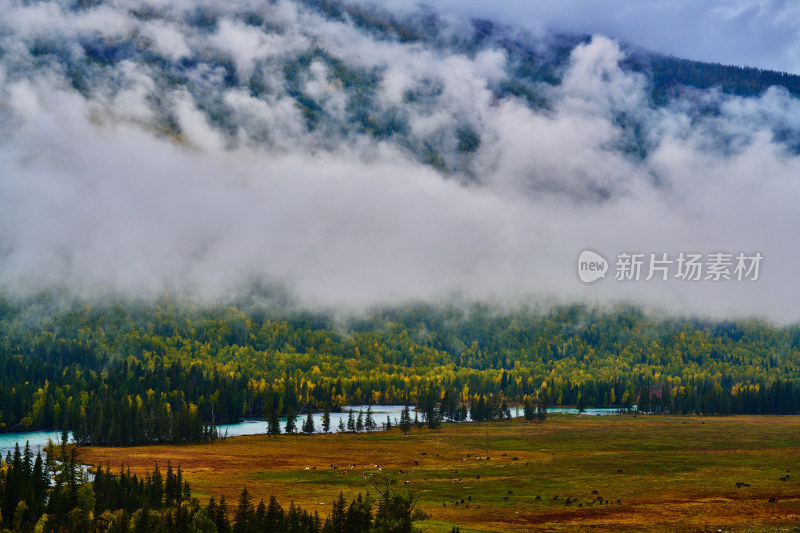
x: 141, y: 185
x: 763, y: 34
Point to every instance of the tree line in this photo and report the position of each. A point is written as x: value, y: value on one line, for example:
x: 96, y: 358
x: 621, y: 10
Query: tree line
x: 124, y: 372
x: 48, y: 495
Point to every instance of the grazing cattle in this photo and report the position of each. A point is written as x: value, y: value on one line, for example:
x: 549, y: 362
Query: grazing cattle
x: 477, y: 477
x: 462, y: 500
x: 469, y: 498
x: 538, y: 498
x: 406, y: 482
x: 619, y: 502
x: 619, y: 470
x: 772, y: 500
x: 510, y: 492
x: 416, y: 463
x: 424, y: 453
x: 555, y: 497
x: 526, y: 463
x: 580, y: 505
x: 505, y: 497
x: 594, y: 492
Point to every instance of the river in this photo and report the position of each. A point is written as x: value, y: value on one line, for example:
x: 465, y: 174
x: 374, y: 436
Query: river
x: 38, y: 439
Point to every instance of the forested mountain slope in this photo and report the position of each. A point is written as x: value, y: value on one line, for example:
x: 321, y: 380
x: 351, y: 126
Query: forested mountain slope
x: 130, y: 370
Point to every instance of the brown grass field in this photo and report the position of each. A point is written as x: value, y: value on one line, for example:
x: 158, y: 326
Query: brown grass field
x: 669, y: 473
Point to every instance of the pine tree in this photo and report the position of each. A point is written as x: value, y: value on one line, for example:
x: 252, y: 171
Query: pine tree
x: 291, y: 426
x: 369, y: 423
x: 358, y: 518
x: 326, y: 420
x: 528, y: 410
x: 170, y: 490
x: 504, y: 411
x: 243, y: 518
x: 142, y: 522
x: 435, y: 422
x: 405, y: 420
x: 336, y: 520
x: 179, y: 483
x: 27, y: 462
x: 395, y: 511
x: 273, y: 521
x: 581, y: 404
x: 261, y: 516
x: 351, y: 422
x: 40, y: 482
x: 221, y: 520
x: 211, y: 509
x: 273, y: 423
x: 308, y: 425
x: 341, y: 425
x: 360, y: 421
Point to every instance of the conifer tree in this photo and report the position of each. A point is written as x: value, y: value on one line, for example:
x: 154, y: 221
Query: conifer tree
x: 308, y: 425
x: 326, y: 420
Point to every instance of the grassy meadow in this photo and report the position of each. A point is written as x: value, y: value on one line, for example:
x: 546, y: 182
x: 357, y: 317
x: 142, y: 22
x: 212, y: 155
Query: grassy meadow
x: 621, y: 473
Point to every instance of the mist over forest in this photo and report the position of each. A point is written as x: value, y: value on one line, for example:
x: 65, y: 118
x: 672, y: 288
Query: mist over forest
x: 358, y: 156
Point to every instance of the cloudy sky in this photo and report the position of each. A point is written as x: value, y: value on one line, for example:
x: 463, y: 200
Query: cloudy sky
x: 97, y: 192
x: 759, y: 33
